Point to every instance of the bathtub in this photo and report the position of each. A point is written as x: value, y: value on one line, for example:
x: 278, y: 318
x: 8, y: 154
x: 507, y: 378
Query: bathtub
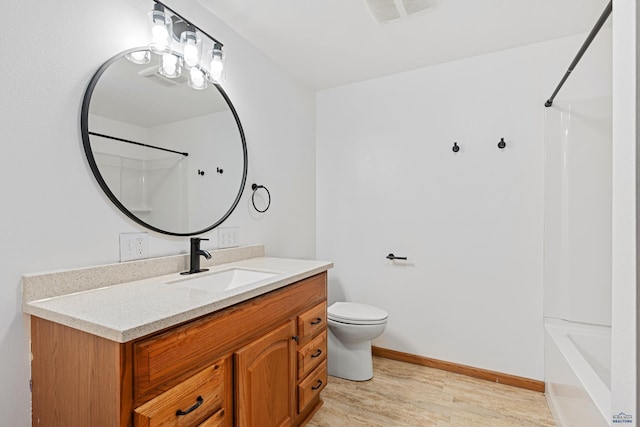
x: 578, y: 373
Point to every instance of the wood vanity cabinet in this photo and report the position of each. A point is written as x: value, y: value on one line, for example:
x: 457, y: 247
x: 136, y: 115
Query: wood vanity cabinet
x: 259, y: 363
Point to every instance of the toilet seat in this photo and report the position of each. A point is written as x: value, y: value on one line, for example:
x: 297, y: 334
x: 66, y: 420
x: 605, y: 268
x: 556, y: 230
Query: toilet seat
x: 356, y: 314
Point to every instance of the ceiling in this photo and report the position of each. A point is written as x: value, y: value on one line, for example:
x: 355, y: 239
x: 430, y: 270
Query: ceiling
x: 328, y: 43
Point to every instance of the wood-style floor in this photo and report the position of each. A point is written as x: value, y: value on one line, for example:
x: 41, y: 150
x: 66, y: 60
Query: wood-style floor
x: 406, y: 395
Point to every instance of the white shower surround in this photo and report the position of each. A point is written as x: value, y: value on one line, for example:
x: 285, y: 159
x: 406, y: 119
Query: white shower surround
x: 577, y: 260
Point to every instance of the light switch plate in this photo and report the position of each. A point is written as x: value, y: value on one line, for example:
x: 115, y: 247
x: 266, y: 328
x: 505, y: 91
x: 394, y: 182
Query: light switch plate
x: 133, y: 246
x: 228, y: 237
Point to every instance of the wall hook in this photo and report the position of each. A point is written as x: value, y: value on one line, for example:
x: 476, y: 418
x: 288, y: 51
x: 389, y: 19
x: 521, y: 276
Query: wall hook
x: 455, y: 147
x: 201, y: 173
x: 219, y: 170
x: 502, y: 144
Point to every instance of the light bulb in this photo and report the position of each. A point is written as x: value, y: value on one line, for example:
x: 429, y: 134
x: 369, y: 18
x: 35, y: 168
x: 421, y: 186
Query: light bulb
x: 160, y: 42
x: 159, y: 32
x: 217, y: 63
x: 170, y: 66
x: 191, y: 55
x: 196, y: 79
x: 191, y: 42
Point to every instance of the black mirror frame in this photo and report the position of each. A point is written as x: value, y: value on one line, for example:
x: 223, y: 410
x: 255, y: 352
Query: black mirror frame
x: 86, y: 142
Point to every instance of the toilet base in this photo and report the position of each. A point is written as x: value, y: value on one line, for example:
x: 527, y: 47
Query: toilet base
x: 349, y: 360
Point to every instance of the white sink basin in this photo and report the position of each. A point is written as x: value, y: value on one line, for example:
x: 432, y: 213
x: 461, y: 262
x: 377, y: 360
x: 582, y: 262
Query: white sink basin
x: 222, y: 281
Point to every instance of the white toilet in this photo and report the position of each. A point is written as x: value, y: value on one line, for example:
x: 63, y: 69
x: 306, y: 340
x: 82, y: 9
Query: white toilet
x: 352, y: 326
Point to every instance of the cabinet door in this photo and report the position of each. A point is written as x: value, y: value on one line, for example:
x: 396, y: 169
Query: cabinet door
x: 265, y: 380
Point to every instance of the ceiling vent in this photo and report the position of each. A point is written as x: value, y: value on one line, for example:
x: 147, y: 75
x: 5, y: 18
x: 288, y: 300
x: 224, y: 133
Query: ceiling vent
x: 384, y: 11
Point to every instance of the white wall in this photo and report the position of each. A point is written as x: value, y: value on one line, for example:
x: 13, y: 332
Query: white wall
x: 53, y: 212
x: 471, y: 223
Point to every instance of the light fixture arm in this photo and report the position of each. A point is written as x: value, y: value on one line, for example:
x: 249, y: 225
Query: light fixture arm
x: 188, y: 22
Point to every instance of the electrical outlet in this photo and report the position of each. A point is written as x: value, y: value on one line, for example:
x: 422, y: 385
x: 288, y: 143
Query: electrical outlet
x: 228, y: 237
x: 133, y: 246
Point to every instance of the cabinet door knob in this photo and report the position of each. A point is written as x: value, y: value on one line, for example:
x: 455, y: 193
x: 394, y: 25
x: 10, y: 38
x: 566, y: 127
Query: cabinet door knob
x: 295, y: 338
x: 199, y: 402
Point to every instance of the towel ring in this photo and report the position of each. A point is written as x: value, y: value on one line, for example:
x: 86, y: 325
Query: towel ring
x: 256, y: 187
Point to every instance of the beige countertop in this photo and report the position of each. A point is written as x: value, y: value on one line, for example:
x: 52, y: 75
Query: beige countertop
x: 127, y: 311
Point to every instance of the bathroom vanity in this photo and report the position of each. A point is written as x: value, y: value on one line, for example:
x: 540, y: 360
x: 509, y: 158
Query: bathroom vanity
x: 251, y: 356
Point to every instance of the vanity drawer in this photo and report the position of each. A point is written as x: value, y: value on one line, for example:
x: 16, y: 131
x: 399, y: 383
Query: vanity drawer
x: 215, y: 420
x: 198, y: 398
x: 311, y: 354
x: 312, y: 386
x: 312, y: 321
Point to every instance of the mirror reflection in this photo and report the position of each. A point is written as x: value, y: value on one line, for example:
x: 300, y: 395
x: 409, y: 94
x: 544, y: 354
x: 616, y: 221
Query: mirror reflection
x: 171, y: 157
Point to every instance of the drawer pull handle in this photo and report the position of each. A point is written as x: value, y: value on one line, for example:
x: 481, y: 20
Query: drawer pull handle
x: 199, y: 402
x: 317, y: 321
x: 317, y: 354
x: 317, y: 386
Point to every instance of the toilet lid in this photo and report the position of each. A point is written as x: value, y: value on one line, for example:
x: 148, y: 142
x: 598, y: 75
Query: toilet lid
x: 352, y: 311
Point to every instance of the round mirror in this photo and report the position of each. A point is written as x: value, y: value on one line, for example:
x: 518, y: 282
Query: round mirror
x: 171, y: 157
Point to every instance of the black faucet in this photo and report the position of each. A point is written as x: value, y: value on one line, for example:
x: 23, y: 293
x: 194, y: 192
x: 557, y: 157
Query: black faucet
x: 196, y: 252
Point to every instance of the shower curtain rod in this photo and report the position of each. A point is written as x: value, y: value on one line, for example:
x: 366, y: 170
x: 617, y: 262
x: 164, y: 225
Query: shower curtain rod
x: 583, y: 49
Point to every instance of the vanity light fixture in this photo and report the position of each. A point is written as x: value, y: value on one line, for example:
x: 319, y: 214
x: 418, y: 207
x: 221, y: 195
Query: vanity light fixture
x: 168, y: 27
x: 170, y: 66
x: 160, y: 29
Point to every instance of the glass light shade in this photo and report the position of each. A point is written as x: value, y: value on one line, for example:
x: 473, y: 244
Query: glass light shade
x: 216, y: 68
x: 191, y: 46
x: 170, y: 66
x: 197, y: 79
x: 160, y: 29
x: 139, y: 57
